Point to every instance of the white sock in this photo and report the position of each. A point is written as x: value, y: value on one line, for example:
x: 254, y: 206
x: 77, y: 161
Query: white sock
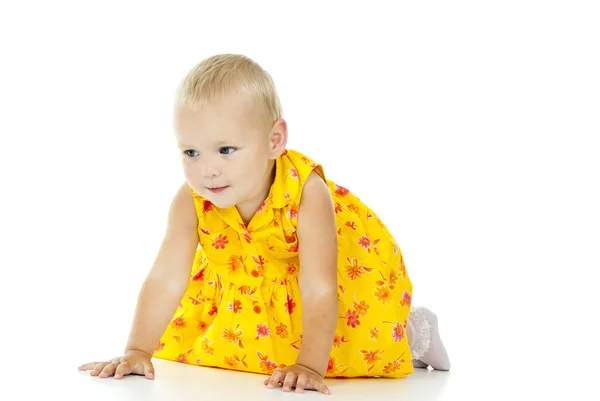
x: 426, y: 345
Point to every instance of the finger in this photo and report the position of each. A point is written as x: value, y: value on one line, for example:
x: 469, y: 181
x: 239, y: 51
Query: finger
x: 275, y: 378
x: 290, y: 381
x: 88, y: 366
x: 149, y: 370
x: 98, y: 368
x: 321, y: 387
x: 301, y: 383
x: 123, y: 370
x: 109, y: 369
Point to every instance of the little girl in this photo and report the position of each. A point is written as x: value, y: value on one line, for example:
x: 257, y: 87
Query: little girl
x: 267, y: 266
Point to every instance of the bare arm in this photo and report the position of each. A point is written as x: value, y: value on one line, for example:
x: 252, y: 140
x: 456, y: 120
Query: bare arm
x: 317, y: 238
x: 167, y: 280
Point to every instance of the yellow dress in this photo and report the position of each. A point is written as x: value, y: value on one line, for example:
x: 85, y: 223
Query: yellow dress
x: 242, y: 309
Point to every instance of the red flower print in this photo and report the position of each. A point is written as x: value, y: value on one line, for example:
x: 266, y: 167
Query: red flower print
x: 248, y: 237
x: 262, y: 331
x: 365, y: 242
x: 338, y: 208
x: 339, y: 190
x: 179, y: 323
x: 261, y: 207
x: 293, y: 212
x: 289, y: 304
x: 293, y: 248
x: 294, y: 173
x: 406, y: 299
x: 220, y: 242
x: 207, y: 206
x: 205, y: 231
x: 202, y: 326
x: 199, y: 276
x: 352, y: 317
x: 236, y: 307
x: 214, y: 310
x: 160, y: 346
x: 256, y: 309
x: 255, y: 273
x: 398, y: 332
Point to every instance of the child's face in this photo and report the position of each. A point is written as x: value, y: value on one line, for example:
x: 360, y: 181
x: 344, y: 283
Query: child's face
x: 227, y: 154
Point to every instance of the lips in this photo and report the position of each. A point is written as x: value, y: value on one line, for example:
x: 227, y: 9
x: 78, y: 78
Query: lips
x: 216, y: 190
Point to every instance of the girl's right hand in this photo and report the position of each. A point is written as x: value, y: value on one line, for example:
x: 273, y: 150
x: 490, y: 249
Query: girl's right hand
x: 133, y: 362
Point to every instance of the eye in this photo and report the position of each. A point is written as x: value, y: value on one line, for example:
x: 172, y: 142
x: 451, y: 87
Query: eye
x: 227, y: 150
x: 189, y: 150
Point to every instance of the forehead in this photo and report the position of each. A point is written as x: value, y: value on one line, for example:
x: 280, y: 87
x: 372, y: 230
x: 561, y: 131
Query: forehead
x: 230, y: 118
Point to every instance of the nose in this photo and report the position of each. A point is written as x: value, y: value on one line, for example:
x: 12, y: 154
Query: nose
x: 209, y: 171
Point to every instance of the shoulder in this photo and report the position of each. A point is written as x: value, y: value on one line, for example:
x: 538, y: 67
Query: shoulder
x: 316, y: 201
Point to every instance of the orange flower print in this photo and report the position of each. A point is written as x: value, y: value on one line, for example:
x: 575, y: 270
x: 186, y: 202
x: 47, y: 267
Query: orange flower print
x: 255, y: 273
x: 371, y: 357
x: 338, y: 207
x: 199, y: 276
x: 232, y: 335
x: 202, y: 326
x: 236, y: 307
x: 179, y: 323
x: 256, y: 309
x: 393, y: 366
x: 383, y: 295
x: 393, y: 279
x: 406, y: 299
x: 248, y: 237
x: 332, y: 367
x: 356, y: 270
x: 365, y: 242
x: 351, y: 224
x: 234, y: 360
x: 375, y: 247
x: 291, y: 268
x: 290, y: 304
x: 361, y: 308
x: 220, y: 242
x: 206, y: 346
x: 160, y: 347
x: 293, y: 212
x: 352, y: 317
x: 262, y: 331
x: 281, y: 329
x: 374, y: 333
x: 338, y: 340
x: 183, y: 356
x: 339, y: 190
x: 265, y: 365
x: 236, y: 264
x: 296, y: 344
x: 355, y: 209
x: 260, y: 261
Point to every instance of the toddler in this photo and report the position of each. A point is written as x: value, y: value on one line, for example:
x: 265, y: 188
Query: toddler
x: 267, y: 265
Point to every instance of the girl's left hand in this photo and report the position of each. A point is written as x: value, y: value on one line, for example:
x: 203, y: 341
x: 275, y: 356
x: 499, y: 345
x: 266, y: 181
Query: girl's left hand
x: 299, y: 377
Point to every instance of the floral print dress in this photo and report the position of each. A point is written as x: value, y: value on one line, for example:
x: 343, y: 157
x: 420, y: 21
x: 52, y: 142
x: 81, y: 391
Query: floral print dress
x: 242, y: 308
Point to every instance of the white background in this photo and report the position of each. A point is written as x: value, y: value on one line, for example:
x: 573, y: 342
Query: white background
x: 470, y: 127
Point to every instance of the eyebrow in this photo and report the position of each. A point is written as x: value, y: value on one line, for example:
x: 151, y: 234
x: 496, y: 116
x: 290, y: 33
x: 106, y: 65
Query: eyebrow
x: 219, y: 143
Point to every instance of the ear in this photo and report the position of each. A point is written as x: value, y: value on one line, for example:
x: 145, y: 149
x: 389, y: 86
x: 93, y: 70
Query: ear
x: 278, y: 138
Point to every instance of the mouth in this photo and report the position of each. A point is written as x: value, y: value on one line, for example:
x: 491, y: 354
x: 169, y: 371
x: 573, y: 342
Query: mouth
x: 216, y: 190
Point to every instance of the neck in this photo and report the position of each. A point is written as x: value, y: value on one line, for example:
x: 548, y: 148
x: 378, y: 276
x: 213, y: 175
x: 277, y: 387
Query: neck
x: 248, y: 209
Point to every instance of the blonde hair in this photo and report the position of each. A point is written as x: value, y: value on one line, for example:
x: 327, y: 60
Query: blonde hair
x: 225, y: 74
